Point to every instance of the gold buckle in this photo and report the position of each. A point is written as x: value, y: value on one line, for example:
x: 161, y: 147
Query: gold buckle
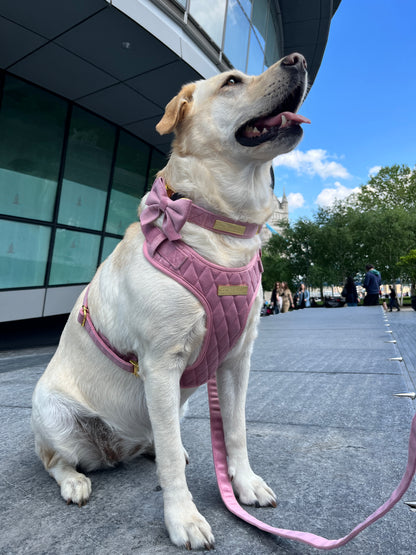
x: 135, y: 367
x: 85, y: 311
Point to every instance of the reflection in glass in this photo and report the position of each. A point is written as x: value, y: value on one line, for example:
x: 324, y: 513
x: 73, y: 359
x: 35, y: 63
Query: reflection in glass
x: 246, y: 7
x: 109, y: 245
x: 158, y: 161
x: 129, y: 183
x: 87, y: 171
x: 272, y: 49
x: 236, y: 35
x: 255, y: 62
x: 23, y: 254
x: 75, y: 257
x: 32, y: 124
x: 259, y: 19
x: 210, y: 18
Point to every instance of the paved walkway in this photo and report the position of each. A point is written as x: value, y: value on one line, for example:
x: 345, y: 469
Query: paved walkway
x: 323, y: 428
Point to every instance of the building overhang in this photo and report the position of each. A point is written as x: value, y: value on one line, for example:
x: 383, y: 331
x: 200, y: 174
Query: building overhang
x: 124, y: 59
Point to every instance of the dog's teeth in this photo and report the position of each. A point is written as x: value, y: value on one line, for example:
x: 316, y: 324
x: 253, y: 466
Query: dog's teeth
x: 264, y: 131
x: 284, y: 121
x: 256, y: 131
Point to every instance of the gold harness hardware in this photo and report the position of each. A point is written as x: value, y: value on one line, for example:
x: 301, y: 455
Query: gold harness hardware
x: 136, y: 367
x: 85, y: 311
x: 228, y: 227
x: 232, y: 290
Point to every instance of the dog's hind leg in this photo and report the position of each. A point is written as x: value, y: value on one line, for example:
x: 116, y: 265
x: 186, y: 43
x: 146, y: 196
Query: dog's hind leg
x: 62, y: 443
x: 75, y: 486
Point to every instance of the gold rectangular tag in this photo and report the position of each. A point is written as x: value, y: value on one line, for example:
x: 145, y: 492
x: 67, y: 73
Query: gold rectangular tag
x: 230, y: 228
x: 232, y: 290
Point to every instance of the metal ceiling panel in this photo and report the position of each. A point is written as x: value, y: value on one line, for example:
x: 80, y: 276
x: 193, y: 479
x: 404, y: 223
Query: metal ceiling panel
x: 116, y: 44
x: 146, y: 129
x: 165, y: 82
x: 300, y: 11
x: 49, y: 18
x: 60, y: 71
x: 120, y: 104
x: 308, y: 30
x: 16, y: 42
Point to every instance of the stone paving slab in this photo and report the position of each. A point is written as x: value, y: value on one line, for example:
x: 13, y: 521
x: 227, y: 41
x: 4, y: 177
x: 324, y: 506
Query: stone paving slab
x: 323, y: 429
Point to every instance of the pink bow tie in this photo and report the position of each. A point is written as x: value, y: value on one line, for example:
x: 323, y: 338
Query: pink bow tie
x: 175, y: 212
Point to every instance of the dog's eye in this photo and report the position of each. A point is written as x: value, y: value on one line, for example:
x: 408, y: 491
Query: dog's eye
x: 231, y: 81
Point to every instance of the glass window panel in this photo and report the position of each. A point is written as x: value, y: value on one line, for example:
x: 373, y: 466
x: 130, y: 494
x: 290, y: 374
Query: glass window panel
x: 75, y: 257
x: 23, y: 254
x: 87, y: 171
x: 32, y: 123
x: 246, y: 5
x: 109, y: 245
x: 236, y: 35
x: 259, y: 19
x: 272, y: 49
x: 255, y: 56
x: 129, y: 183
x: 212, y: 19
x: 157, y: 162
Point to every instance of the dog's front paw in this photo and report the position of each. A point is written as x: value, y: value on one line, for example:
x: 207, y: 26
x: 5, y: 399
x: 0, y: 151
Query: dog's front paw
x: 76, y: 489
x: 253, y: 490
x: 187, y: 527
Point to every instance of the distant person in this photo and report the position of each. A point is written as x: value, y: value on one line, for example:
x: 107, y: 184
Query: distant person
x: 287, y: 298
x: 350, y: 292
x: 393, y: 300
x: 280, y: 299
x: 303, y: 297
x: 372, y: 282
x: 274, y: 299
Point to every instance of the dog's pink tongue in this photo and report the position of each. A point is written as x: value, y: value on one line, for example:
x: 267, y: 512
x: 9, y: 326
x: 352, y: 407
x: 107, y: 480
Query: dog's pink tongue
x: 276, y: 121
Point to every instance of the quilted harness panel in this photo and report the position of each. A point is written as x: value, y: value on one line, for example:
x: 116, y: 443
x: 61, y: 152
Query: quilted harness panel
x: 227, y: 295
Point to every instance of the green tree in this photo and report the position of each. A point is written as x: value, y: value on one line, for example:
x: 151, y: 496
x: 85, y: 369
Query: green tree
x: 377, y: 225
x: 392, y: 186
x: 407, y: 265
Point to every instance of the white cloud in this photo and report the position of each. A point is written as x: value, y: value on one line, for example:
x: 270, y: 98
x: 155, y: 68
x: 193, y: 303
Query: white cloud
x: 374, y: 170
x: 295, y: 200
x: 312, y: 162
x: 329, y: 195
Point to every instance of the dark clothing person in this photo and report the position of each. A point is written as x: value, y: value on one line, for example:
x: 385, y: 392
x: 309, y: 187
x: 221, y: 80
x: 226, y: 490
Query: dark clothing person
x: 303, y: 300
x: 393, y: 300
x: 274, y: 299
x: 350, y: 292
x: 372, y: 282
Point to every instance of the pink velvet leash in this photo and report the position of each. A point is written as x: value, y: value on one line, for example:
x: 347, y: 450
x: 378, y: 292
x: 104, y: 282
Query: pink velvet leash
x: 227, y: 494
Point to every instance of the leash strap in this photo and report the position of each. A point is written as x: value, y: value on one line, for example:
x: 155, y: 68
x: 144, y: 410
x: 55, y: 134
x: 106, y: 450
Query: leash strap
x: 227, y: 493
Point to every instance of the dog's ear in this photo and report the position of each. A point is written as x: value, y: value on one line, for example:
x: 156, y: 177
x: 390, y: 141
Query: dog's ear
x: 176, y: 110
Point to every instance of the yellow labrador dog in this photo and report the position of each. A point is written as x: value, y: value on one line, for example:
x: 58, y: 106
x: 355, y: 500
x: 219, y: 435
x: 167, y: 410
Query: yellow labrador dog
x: 87, y: 412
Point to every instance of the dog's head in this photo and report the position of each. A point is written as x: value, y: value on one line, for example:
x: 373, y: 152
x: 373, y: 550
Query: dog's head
x: 244, y: 117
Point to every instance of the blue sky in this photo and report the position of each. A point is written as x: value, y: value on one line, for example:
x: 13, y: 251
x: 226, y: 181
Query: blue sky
x: 362, y: 106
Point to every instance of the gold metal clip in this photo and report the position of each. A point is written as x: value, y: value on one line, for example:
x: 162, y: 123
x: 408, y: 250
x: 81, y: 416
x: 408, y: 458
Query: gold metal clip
x: 135, y: 367
x: 85, y: 311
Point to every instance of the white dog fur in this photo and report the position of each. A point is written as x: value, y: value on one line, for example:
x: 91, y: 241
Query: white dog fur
x: 88, y: 413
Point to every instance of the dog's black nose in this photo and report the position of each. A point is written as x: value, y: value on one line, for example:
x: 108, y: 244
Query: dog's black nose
x: 295, y: 59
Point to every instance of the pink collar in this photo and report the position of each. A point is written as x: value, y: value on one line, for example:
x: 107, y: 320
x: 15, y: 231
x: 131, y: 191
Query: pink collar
x: 177, y: 212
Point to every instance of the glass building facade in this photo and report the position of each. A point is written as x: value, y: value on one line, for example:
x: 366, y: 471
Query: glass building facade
x: 70, y: 184
x: 246, y: 32
x: 81, y: 91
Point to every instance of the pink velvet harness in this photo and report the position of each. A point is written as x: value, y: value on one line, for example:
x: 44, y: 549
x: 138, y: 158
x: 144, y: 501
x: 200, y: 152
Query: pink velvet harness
x: 226, y: 294
x: 226, y: 316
